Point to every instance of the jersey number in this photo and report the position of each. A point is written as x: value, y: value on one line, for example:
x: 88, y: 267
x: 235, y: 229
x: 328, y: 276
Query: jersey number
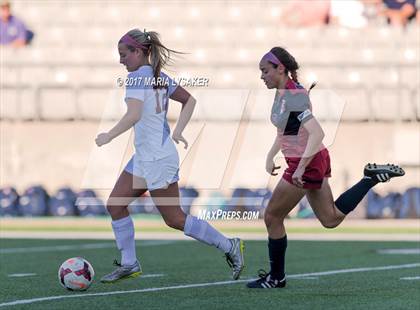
x: 161, y: 96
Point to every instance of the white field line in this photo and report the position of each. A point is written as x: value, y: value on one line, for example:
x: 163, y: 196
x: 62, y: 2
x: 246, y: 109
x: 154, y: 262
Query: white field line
x: 153, y: 275
x: 165, y: 288
x: 87, y: 246
x: 326, y: 273
x: 410, y: 278
x: 20, y: 275
x: 400, y: 251
x: 243, y: 235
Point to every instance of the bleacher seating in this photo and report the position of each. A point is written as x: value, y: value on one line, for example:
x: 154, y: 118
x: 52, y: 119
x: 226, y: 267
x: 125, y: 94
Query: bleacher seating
x: 394, y: 205
x: 70, y: 70
x: 35, y: 201
x: 410, y: 204
x: 63, y: 203
x: 187, y: 196
x: 88, y: 204
x: 9, y: 200
x: 73, y: 57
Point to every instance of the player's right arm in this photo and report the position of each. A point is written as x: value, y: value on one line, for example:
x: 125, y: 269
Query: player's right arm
x: 132, y: 116
x: 269, y: 162
x: 188, y: 104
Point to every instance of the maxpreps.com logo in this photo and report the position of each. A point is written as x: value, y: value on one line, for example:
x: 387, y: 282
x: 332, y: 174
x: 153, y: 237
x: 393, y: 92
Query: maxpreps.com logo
x: 228, y: 215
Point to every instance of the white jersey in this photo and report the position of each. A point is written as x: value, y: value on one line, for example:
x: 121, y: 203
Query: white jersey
x: 152, y: 139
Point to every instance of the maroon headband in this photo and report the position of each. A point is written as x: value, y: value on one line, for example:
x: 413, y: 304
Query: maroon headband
x: 126, y: 39
x: 272, y: 58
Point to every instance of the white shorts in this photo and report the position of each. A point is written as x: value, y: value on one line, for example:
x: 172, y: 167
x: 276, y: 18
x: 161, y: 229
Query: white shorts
x: 158, y: 174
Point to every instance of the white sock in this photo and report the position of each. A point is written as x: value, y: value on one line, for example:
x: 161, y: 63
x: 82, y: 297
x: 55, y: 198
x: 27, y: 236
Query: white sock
x: 204, y: 232
x: 124, y: 236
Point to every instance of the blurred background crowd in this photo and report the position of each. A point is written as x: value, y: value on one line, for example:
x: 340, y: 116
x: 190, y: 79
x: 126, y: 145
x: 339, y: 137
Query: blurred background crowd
x: 59, y: 66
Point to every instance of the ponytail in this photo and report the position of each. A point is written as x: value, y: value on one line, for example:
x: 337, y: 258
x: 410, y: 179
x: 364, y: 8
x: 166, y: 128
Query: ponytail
x: 312, y: 86
x: 288, y: 62
x: 159, y: 55
x: 294, y: 75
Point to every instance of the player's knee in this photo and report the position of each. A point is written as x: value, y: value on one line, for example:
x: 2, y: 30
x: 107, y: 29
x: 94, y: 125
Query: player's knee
x: 113, y: 210
x: 109, y: 208
x: 329, y: 222
x: 271, y: 219
x: 175, y: 223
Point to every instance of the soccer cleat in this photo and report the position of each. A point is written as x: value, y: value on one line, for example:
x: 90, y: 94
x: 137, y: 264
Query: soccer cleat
x: 235, y: 257
x: 266, y: 281
x: 122, y: 272
x: 383, y: 173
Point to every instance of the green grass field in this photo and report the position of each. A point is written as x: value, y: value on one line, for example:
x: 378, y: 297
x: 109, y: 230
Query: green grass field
x: 170, y: 266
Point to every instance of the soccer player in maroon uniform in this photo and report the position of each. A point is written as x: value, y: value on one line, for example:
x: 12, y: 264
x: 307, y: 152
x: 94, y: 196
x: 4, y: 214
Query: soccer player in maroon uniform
x: 299, y: 137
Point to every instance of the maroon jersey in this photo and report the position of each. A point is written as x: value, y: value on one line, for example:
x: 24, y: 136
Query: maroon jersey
x: 291, y: 109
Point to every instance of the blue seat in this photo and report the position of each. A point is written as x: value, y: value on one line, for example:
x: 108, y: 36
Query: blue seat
x: 63, y: 203
x: 374, y: 205
x: 238, y: 201
x: 144, y: 204
x: 382, y: 207
x: 245, y: 199
x: 391, y: 203
x: 410, y: 204
x: 187, y: 197
x: 88, y: 204
x: 216, y: 200
x: 9, y: 199
x: 34, y: 202
x: 88, y: 193
x: 257, y: 200
x: 265, y: 194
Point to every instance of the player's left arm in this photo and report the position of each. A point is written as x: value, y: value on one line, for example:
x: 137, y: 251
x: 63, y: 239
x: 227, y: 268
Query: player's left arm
x: 316, y: 134
x: 132, y: 116
x: 188, y: 104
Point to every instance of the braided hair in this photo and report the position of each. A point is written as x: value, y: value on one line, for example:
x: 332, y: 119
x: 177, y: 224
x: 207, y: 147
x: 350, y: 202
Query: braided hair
x: 288, y: 61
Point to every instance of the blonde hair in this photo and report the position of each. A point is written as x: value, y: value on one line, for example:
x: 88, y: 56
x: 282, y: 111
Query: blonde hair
x: 158, y: 54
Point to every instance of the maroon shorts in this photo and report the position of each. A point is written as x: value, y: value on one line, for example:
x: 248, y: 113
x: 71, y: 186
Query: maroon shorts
x: 318, y: 169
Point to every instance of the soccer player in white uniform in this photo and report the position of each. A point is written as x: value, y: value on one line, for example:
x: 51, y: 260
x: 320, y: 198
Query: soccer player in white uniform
x: 155, y: 164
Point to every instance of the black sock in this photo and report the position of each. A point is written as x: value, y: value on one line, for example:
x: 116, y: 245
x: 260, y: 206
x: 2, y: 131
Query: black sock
x: 277, y: 252
x: 349, y: 200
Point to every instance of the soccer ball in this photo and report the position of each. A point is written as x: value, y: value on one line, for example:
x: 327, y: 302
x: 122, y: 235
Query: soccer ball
x: 76, y: 274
